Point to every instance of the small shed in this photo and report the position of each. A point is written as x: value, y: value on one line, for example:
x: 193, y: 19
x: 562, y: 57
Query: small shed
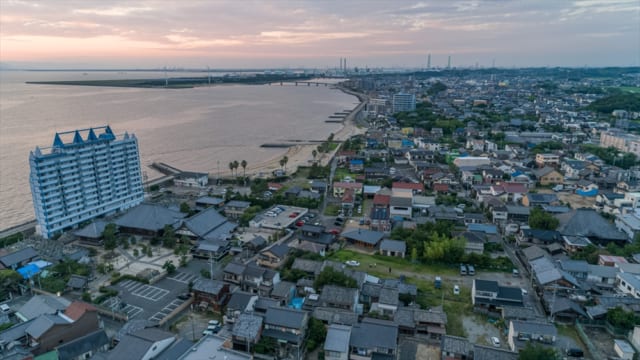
x: 393, y: 248
x: 623, y: 349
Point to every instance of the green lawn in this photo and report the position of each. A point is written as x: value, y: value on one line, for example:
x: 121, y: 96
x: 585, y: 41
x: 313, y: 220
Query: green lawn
x: 630, y: 89
x: 341, y: 173
x: 383, y: 263
x: 455, y: 306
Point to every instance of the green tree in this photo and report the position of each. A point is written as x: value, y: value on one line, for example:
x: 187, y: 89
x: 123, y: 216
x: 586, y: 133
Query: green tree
x: 540, y: 219
x: 169, y: 266
x: 243, y: 163
x: 317, y: 333
x: 184, y: 208
x: 9, y: 283
x: 314, y: 153
x: 109, y: 236
x: 538, y: 352
x: 168, y: 237
x: 335, y: 277
x: 414, y: 255
x: 136, y: 253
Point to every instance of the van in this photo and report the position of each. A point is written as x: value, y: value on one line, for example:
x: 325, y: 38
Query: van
x: 471, y: 270
x: 575, y: 352
x: 463, y: 269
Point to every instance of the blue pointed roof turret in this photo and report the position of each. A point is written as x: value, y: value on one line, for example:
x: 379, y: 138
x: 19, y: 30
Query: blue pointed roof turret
x: 57, y: 142
x: 107, y: 130
x: 92, y: 135
x: 77, y: 139
x: 38, y: 152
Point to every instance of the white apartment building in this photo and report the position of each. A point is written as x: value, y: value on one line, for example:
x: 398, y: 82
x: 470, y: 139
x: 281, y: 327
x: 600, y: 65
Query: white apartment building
x: 85, y: 174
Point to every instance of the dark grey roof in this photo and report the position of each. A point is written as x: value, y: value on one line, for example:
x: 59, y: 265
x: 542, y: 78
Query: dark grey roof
x: 337, y: 339
x: 543, y: 235
x: 389, y: 296
x: 238, y: 204
x: 285, y: 317
x: 604, y: 271
x: 310, y: 266
x: 516, y: 312
x: 486, y: 285
x: 212, y: 245
x: 19, y: 256
x: 563, y: 304
x: 456, y: 345
x: 366, y: 236
x: 491, y: 353
x: 93, y: 230
x: 43, y: 304
x: 239, y: 300
x: 82, y: 345
x: 279, y: 250
x: 372, y: 290
x: 247, y: 326
x: 204, y: 222
x: 15, y: 332
x: 254, y: 271
x: 234, y: 268
x: 574, y: 265
x: 587, y: 222
x: 338, y: 295
x: 264, y: 303
x: 531, y: 327
x: 533, y: 252
x: 370, y: 334
x: 335, y: 316
x: 404, y: 317
x: 208, y: 286
x: 176, y: 350
x: 518, y: 210
x: 43, y: 323
x: 208, y: 200
x: 393, y: 245
x: 77, y: 281
x: 541, y: 198
x: 150, y: 217
x: 282, y: 289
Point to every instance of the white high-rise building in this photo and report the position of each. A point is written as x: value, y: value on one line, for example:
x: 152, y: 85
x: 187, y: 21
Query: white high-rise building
x: 404, y: 102
x: 92, y: 174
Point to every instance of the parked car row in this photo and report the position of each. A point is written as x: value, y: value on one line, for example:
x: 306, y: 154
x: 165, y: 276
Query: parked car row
x: 467, y: 270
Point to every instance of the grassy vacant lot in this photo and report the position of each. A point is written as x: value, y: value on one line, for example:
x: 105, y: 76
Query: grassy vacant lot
x: 341, y: 173
x: 630, y: 89
x: 456, y: 306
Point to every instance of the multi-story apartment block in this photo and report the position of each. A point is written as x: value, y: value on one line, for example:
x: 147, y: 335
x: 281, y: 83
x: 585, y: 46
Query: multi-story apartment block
x: 404, y: 102
x: 621, y: 140
x: 92, y: 174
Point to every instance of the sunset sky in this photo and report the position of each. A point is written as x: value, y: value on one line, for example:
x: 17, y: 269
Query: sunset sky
x: 279, y: 33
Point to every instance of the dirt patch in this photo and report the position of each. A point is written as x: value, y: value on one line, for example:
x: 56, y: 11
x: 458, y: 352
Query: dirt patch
x: 428, y: 352
x: 479, y: 330
x: 601, y: 340
x: 574, y: 200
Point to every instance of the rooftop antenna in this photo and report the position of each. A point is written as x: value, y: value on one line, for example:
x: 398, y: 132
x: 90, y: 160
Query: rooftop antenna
x: 429, y: 61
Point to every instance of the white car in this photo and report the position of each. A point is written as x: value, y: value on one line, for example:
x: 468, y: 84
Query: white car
x: 352, y: 263
x: 214, y: 322
x: 524, y: 292
x: 207, y: 332
x: 456, y: 290
x: 495, y: 341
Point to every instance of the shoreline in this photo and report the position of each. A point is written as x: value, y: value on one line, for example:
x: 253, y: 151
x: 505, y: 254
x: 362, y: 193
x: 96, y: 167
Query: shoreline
x: 298, y: 155
x: 301, y: 155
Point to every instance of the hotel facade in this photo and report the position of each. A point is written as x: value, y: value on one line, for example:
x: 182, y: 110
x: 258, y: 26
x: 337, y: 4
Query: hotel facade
x: 92, y: 174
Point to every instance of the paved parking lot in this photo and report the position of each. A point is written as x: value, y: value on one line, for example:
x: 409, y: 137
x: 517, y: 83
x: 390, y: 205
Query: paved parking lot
x: 116, y: 304
x: 166, y: 310
x: 148, y: 292
x: 182, y: 277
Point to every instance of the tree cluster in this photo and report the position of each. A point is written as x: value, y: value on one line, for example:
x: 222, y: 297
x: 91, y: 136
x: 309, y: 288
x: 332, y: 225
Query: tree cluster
x: 620, y: 318
x: 540, y: 219
x: 616, y: 101
x: 334, y: 277
x: 612, y: 156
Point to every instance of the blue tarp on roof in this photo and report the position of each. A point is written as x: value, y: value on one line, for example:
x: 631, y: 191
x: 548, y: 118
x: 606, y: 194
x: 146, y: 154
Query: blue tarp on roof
x: 29, y: 270
x: 590, y: 193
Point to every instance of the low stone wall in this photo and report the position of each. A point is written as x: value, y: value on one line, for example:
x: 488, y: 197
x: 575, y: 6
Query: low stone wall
x: 176, y: 311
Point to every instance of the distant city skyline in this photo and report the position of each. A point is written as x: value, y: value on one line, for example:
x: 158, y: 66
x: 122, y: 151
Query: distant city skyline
x: 318, y: 34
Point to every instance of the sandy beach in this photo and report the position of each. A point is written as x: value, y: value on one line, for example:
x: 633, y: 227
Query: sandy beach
x: 302, y: 155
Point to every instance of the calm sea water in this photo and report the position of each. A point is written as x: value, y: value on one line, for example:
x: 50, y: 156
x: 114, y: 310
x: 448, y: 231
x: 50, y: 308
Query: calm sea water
x: 200, y: 129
